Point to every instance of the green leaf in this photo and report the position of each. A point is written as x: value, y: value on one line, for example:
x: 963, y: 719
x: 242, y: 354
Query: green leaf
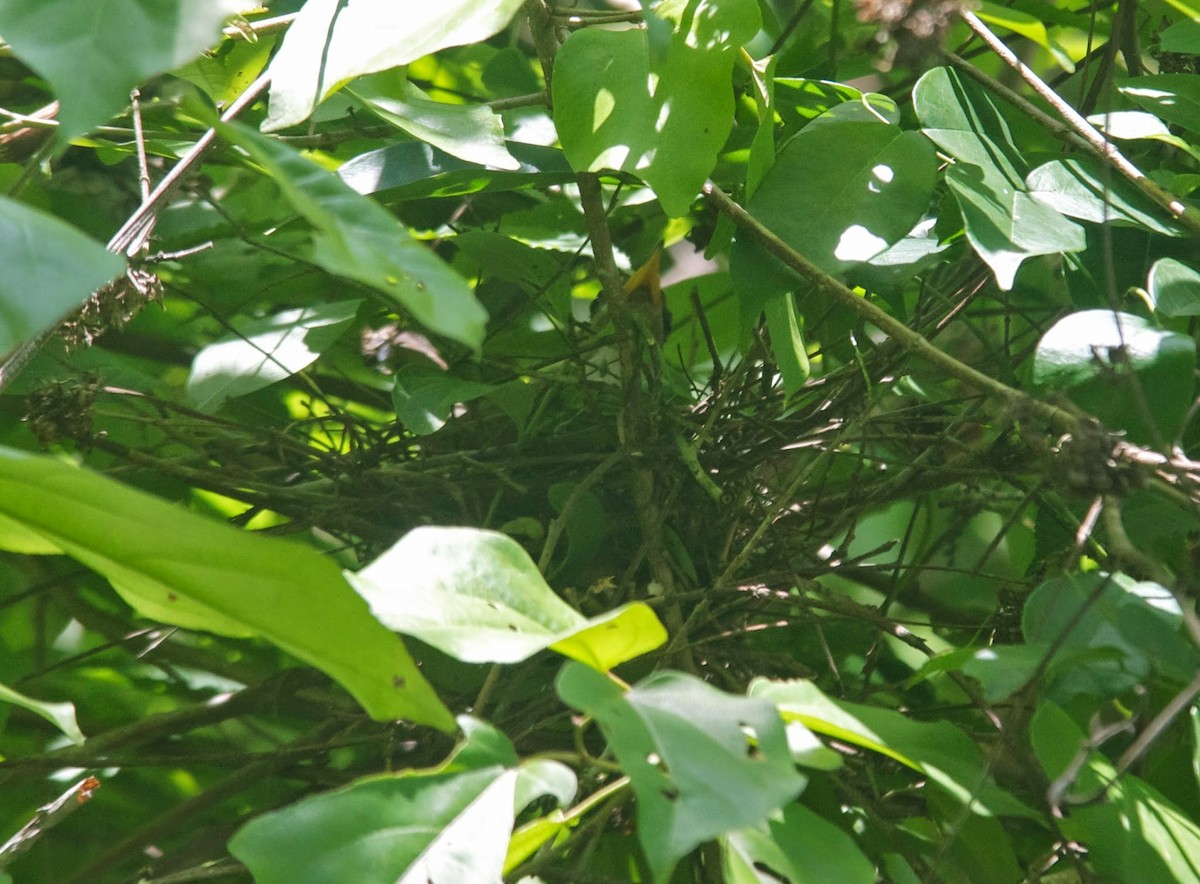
x: 787, y: 343
x: 937, y: 750
x: 798, y: 846
x: 1132, y: 833
x: 1007, y: 226
x: 663, y: 113
x: 359, y: 240
x: 470, y: 132
x: 451, y: 823
x: 265, y: 351
x: 961, y: 118
x: 1182, y: 37
x: 1171, y: 97
x: 1080, y: 188
x: 61, y: 715
x: 1134, y: 125
x: 839, y: 194
x: 161, y: 559
x: 331, y: 42
x: 50, y: 268
x: 477, y: 596
x: 1088, y: 354
x: 701, y: 762
x: 424, y: 397
x: 1027, y: 26
x: 1174, y: 288
x: 1106, y: 611
x: 94, y: 54
x: 415, y: 170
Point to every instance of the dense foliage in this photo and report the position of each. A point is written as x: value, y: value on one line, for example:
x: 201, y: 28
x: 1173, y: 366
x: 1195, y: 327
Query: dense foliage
x: 725, y: 440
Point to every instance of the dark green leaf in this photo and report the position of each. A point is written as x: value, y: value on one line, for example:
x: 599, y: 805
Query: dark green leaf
x: 799, y: 847
x: 95, y: 54
x: 1008, y: 226
x: 61, y: 715
x: 49, y: 269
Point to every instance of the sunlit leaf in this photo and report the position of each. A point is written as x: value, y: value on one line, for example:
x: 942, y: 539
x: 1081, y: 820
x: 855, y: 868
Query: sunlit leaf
x: 413, y: 170
x: 702, y: 762
x: 161, y: 559
x: 451, y: 823
x: 332, y: 42
x: 1080, y: 188
x: 477, y: 596
x: 470, y: 132
x: 1174, y: 288
x: 265, y: 351
x: 1172, y: 97
x: 937, y: 750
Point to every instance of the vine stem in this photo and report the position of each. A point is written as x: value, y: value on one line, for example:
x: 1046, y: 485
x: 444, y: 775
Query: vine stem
x: 915, y: 343
x: 1101, y: 145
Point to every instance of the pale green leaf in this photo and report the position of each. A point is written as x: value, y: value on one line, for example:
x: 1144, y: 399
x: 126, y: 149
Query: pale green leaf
x: 61, y: 715
x: 1174, y: 288
x: 1097, y: 356
x: 1080, y: 188
x: 358, y: 239
x: 49, y: 268
x: 93, y: 54
x: 477, y: 596
x: 1171, y: 97
x: 451, y: 823
x: 332, y: 42
x: 470, y: 132
x: 938, y: 750
x: 160, y: 558
x: 265, y: 351
x: 701, y: 762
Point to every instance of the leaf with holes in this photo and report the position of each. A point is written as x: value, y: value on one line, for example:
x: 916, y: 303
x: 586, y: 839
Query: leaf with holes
x: 701, y: 762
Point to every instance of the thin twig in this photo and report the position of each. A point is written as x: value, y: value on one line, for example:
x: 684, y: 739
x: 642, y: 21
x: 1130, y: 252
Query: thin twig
x: 46, y: 818
x: 1102, y: 146
x: 135, y: 232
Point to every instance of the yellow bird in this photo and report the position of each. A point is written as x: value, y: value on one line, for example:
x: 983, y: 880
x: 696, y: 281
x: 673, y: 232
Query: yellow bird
x: 645, y: 297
